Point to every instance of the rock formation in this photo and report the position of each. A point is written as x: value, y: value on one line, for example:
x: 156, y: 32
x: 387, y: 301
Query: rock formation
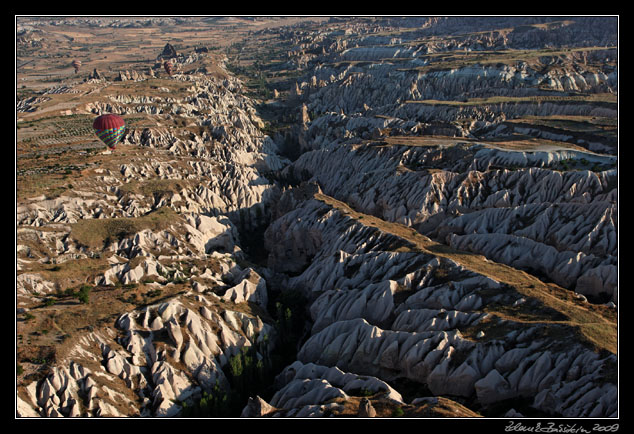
x: 168, y: 52
x: 429, y: 227
x: 360, y: 327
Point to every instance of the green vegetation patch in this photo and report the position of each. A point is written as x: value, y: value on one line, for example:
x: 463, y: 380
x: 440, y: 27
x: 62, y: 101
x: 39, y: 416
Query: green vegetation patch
x: 94, y: 233
x: 153, y: 187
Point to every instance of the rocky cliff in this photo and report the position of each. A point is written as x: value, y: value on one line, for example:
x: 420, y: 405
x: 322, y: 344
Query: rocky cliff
x: 559, y: 224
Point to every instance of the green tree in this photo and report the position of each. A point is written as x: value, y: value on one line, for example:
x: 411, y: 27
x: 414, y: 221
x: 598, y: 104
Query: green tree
x: 235, y: 365
x: 84, y: 294
x: 211, y: 404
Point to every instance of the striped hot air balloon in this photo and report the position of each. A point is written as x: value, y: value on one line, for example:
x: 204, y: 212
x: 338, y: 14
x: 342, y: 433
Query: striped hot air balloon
x: 110, y: 128
x: 168, y: 67
x: 76, y: 64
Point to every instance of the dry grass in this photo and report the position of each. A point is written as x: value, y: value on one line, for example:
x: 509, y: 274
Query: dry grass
x: 110, y: 50
x: 514, y: 142
x: 596, y: 324
x: 452, y: 60
x: 427, y: 140
x: 70, y: 273
x: 602, y: 98
x: 51, y: 177
x: 436, y: 408
x: 48, y: 332
x: 518, y: 142
x: 151, y: 187
x: 94, y: 233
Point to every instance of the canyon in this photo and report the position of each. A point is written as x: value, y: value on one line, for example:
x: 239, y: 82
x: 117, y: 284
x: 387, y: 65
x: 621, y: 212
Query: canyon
x: 335, y: 217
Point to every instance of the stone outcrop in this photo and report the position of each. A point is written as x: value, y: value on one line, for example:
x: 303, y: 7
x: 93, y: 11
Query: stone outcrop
x: 304, y: 389
x: 360, y: 327
x: 168, y: 52
x: 560, y: 224
x: 135, y: 359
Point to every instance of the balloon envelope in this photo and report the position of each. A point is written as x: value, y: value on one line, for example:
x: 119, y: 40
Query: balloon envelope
x: 76, y: 64
x: 109, y: 128
x: 168, y: 67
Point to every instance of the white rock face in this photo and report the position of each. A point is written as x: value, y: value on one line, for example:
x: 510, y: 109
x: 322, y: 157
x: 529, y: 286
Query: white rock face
x: 493, y: 388
x: 257, y: 407
x: 563, y: 225
x: 374, y: 302
x: 28, y: 283
x: 304, y: 388
x: 209, y: 234
x: 474, y: 187
x: 251, y: 288
x: 141, y: 365
x: 360, y: 327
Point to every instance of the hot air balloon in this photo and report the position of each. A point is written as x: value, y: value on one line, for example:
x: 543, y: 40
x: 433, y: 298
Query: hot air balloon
x: 76, y: 64
x: 168, y: 67
x: 110, y: 128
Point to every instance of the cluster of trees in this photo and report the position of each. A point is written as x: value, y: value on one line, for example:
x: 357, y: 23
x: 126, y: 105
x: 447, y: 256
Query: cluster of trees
x: 251, y: 371
x: 246, y: 373
x: 82, y: 295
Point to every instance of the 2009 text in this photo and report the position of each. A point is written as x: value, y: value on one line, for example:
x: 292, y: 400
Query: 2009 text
x: 552, y: 427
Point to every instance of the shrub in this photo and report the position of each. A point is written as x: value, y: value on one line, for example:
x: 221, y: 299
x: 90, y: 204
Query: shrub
x: 84, y: 294
x: 246, y: 375
x: 154, y: 293
x: 398, y: 412
x: 211, y: 404
x: 235, y: 366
